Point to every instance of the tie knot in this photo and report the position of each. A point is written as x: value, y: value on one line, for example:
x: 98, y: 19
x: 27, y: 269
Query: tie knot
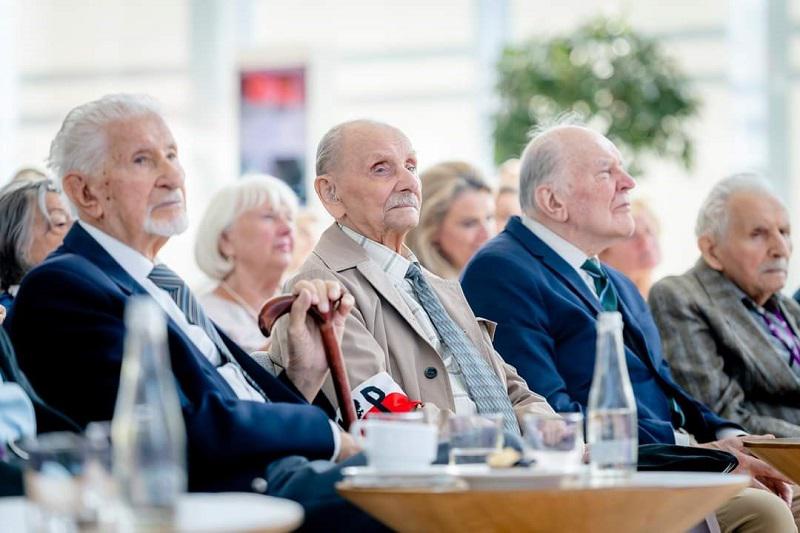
x: 593, y: 268
x: 414, y: 272
x: 165, y: 278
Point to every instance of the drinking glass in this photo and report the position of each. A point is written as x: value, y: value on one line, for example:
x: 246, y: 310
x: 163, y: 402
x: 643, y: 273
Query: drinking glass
x: 555, y: 442
x: 52, y: 481
x: 474, y: 437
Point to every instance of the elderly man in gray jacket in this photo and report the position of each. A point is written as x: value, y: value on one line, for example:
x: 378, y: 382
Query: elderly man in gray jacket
x: 729, y: 334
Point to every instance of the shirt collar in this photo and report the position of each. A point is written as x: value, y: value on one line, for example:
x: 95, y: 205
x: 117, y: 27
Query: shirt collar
x: 13, y: 290
x: 394, y: 264
x: 133, y: 262
x: 568, y: 251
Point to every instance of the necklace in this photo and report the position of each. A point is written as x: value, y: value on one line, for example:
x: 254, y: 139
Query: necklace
x: 239, y: 300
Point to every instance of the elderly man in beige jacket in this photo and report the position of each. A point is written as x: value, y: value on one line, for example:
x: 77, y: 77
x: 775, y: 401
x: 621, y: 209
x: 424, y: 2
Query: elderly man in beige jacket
x: 409, y: 329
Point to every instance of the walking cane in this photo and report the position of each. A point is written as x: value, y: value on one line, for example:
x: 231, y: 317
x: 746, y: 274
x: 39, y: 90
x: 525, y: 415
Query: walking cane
x: 279, y: 306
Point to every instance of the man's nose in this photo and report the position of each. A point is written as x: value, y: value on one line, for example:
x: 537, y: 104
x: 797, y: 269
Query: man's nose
x: 626, y: 181
x: 409, y: 181
x: 171, y: 173
x: 781, y: 245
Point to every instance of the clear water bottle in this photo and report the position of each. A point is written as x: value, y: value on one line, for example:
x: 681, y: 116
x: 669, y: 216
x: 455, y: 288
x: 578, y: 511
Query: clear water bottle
x: 612, y: 432
x: 148, y: 433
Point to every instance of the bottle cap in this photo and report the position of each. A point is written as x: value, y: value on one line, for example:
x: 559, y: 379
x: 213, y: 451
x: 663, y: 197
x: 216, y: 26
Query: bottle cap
x: 142, y: 314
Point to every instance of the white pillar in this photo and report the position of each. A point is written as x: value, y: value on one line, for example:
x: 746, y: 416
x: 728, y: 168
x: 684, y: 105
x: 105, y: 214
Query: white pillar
x: 492, y: 26
x: 758, y: 36
x: 9, y: 89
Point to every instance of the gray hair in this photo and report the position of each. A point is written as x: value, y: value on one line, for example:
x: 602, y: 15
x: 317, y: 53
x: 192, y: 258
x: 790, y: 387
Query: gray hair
x: 81, y: 144
x: 251, y: 191
x: 713, y: 217
x: 18, y: 201
x: 542, y: 158
x: 329, y: 147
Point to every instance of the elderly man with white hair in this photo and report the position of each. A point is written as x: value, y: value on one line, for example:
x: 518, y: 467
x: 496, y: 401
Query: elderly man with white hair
x: 541, y: 281
x: 729, y: 334
x: 246, y: 429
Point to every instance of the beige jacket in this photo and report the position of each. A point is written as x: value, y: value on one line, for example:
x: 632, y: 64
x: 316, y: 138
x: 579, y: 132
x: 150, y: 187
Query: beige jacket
x: 382, y: 335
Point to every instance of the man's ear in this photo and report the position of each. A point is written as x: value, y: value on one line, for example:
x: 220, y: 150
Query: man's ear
x: 708, y: 249
x: 549, y: 202
x: 83, y: 197
x: 326, y: 191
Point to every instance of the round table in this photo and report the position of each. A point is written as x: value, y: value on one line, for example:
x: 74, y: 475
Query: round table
x: 666, y: 502
x: 200, y: 513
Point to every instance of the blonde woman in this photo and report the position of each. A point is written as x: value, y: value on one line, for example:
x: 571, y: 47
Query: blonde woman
x: 640, y: 254
x: 245, y: 243
x: 457, y: 217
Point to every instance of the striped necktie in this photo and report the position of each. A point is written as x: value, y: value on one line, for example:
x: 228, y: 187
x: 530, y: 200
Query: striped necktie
x: 169, y: 281
x: 602, y: 285
x: 485, y: 388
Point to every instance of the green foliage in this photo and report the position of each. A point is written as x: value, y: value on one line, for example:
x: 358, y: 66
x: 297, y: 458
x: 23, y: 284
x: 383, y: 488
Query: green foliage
x: 616, y: 80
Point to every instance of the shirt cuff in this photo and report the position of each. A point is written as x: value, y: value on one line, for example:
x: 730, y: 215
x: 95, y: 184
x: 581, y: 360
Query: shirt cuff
x: 337, y: 440
x: 726, y: 432
x: 682, y: 438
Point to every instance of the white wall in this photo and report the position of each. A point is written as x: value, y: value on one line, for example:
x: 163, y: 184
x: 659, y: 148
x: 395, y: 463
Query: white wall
x: 413, y: 63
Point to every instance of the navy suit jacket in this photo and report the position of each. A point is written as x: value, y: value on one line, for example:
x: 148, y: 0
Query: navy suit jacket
x: 67, y: 328
x: 546, y: 327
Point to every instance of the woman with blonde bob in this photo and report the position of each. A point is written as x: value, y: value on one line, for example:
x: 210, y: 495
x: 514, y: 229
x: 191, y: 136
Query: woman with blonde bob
x: 245, y: 242
x: 457, y: 217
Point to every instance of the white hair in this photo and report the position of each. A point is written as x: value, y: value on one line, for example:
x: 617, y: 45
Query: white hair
x: 329, y: 147
x: 81, y: 143
x: 713, y: 217
x: 541, y: 161
x: 251, y: 191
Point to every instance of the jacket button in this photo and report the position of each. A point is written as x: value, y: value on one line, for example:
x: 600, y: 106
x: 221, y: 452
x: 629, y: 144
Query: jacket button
x: 431, y: 372
x: 259, y: 484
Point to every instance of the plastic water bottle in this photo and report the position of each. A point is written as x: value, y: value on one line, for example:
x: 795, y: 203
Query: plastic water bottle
x: 148, y: 433
x: 612, y: 431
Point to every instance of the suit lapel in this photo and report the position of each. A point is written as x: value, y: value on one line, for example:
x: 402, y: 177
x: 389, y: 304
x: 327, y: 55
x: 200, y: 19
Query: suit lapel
x: 554, y: 262
x: 340, y: 252
x: 80, y: 242
x: 756, y: 343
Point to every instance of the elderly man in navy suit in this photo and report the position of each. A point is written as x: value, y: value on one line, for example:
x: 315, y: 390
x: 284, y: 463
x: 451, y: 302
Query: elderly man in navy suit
x: 119, y: 166
x: 574, y: 195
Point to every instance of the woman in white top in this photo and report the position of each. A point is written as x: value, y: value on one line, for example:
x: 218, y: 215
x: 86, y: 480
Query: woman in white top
x: 245, y: 242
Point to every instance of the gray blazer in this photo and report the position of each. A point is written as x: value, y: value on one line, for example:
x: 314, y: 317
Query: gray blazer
x: 722, y: 355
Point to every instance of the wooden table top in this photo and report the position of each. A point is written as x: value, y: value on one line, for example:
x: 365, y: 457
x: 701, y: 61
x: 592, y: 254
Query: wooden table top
x: 664, y: 502
x: 783, y: 454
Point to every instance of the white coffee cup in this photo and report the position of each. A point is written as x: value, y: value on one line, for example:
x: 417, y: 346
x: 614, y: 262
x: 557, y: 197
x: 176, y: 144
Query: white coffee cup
x: 396, y: 441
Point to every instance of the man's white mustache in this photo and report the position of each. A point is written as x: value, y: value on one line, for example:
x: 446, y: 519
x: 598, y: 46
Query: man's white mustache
x: 405, y: 199
x: 778, y: 264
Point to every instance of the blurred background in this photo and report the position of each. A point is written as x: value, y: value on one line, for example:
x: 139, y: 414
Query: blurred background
x: 692, y: 90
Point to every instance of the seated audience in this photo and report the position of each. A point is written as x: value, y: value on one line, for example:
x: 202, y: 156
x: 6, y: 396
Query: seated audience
x: 408, y: 325
x: 245, y: 242
x: 574, y: 194
x: 637, y: 256
x: 506, y: 200
x: 728, y: 333
x: 456, y: 218
x: 33, y: 221
x: 119, y: 166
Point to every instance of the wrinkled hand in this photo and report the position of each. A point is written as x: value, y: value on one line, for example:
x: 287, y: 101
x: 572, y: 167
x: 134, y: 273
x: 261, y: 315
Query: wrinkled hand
x: 764, y: 476
x: 349, y: 446
x: 306, y: 365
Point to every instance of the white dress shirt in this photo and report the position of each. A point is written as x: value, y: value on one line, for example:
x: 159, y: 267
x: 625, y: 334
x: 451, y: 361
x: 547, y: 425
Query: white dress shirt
x: 139, y: 267
x: 575, y: 258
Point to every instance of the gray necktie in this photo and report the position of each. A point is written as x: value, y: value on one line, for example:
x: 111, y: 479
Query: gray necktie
x: 166, y: 279
x: 485, y: 388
